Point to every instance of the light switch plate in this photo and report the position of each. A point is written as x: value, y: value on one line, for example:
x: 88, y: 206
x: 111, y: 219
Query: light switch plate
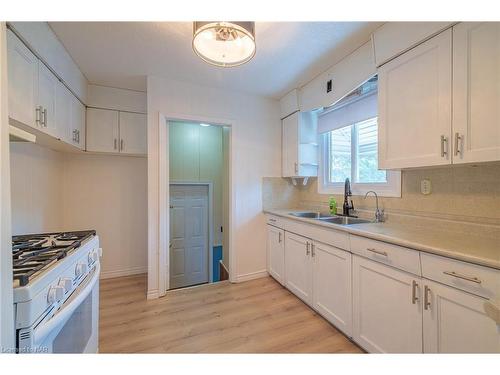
x: 425, y: 186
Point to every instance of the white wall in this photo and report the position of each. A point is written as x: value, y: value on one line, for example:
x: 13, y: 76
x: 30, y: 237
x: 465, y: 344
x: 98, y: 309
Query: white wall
x: 255, y: 148
x: 37, y: 188
x: 109, y: 194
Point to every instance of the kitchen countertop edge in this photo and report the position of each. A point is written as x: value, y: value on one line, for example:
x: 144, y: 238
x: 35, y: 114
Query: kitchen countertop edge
x: 453, y: 254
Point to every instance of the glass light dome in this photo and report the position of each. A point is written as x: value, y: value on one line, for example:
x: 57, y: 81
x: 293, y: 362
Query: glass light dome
x: 224, y: 44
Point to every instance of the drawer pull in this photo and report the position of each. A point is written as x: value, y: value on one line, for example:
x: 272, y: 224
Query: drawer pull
x: 383, y: 253
x: 468, y: 278
x: 307, y: 248
x: 272, y: 220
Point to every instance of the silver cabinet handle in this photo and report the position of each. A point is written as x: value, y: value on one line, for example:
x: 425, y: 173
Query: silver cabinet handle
x: 463, y: 277
x: 444, y: 150
x: 74, y: 135
x: 313, y: 253
x: 307, y: 248
x: 78, y: 136
x: 458, y: 139
x: 121, y: 144
x: 296, y: 167
x: 114, y: 143
x: 378, y: 252
x: 414, y: 297
x: 279, y: 237
x: 44, y: 122
x: 272, y: 220
x: 427, y: 302
x: 38, y: 111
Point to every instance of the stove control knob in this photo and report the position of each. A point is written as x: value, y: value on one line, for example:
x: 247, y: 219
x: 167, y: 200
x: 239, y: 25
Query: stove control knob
x: 66, y: 283
x: 55, y: 294
x: 80, y: 269
x: 92, y: 257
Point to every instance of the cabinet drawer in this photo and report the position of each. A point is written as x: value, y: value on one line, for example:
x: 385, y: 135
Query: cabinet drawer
x: 274, y: 220
x: 479, y: 280
x: 328, y: 236
x: 392, y: 255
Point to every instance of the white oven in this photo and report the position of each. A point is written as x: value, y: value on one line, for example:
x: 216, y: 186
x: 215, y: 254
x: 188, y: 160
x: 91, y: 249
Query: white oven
x: 72, y: 326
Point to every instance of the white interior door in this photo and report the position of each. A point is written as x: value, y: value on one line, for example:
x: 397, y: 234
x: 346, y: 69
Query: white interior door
x: 188, y: 235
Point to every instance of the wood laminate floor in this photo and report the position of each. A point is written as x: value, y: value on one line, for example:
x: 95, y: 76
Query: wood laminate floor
x: 258, y: 316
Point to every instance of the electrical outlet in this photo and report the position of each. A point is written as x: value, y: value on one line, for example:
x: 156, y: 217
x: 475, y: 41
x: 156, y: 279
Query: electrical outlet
x: 425, y: 186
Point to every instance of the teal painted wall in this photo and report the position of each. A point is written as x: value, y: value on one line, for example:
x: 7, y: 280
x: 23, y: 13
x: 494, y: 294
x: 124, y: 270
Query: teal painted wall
x: 196, y: 155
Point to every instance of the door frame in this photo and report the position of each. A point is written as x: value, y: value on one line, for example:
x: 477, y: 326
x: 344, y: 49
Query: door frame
x: 210, y: 214
x: 158, y: 264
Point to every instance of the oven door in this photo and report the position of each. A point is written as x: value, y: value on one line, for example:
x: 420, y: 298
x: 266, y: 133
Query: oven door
x: 74, y: 327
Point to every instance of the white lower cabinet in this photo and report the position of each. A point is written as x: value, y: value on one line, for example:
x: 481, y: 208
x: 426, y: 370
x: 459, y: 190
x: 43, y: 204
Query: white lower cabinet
x: 276, y: 253
x: 298, y: 266
x: 332, y: 285
x: 455, y: 322
x: 387, y: 309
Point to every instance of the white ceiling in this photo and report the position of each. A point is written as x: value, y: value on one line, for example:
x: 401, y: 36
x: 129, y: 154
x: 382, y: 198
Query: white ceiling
x: 289, y: 54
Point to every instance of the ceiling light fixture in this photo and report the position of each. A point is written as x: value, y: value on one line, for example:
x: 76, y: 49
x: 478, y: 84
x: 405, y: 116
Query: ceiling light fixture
x: 224, y: 43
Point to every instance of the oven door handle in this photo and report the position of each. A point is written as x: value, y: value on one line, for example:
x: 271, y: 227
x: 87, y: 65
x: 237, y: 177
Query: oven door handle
x: 63, y: 315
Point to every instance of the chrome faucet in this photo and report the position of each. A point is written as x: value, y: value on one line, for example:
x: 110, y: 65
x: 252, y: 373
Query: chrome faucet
x: 347, y: 207
x: 379, y: 214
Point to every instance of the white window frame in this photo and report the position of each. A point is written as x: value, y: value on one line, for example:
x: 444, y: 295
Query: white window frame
x: 391, y: 188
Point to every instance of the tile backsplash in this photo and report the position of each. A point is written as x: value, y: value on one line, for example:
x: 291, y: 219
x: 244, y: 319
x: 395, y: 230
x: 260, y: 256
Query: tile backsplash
x: 465, y: 193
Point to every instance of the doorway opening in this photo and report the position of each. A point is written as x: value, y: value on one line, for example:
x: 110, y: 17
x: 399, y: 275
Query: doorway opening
x: 198, y: 203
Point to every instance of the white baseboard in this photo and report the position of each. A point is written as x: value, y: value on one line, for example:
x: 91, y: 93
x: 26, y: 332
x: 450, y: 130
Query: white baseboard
x: 123, y: 272
x: 153, y: 294
x: 251, y: 276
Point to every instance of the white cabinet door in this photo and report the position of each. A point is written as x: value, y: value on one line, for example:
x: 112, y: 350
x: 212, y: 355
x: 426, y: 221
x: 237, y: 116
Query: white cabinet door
x: 476, y: 92
x: 387, y: 311
x: 455, y: 322
x: 77, y: 129
x: 47, y: 92
x: 23, y: 81
x: 63, y: 112
x: 276, y: 253
x: 290, y: 145
x: 298, y: 266
x: 415, y: 106
x: 332, y: 296
x: 133, y: 133
x: 102, y: 130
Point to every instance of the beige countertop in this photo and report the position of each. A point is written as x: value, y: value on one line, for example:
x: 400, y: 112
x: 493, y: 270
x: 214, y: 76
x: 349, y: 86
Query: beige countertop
x: 469, y: 246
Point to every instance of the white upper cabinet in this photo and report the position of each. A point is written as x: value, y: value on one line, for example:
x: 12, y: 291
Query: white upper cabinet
x: 76, y: 135
x: 415, y: 106
x: 387, y: 310
x: 476, y: 92
x: 47, y: 92
x: 276, y: 253
x: 298, y: 266
x: 133, y: 134
x: 289, y: 103
x: 23, y: 81
x: 102, y: 130
x: 345, y: 76
x: 455, y: 322
x: 63, y: 113
x: 116, y: 132
x: 332, y: 285
x: 394, y: 38
x: 299, y: 145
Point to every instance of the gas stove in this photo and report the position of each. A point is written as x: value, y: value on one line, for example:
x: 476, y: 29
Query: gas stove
x: 34, y: 253
x: 56, y: 291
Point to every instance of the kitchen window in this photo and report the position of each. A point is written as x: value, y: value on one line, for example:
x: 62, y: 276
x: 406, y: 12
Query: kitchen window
x: 349, y: 149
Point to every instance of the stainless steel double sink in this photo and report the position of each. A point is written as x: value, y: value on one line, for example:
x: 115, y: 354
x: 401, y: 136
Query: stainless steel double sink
x: 340, y: 220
